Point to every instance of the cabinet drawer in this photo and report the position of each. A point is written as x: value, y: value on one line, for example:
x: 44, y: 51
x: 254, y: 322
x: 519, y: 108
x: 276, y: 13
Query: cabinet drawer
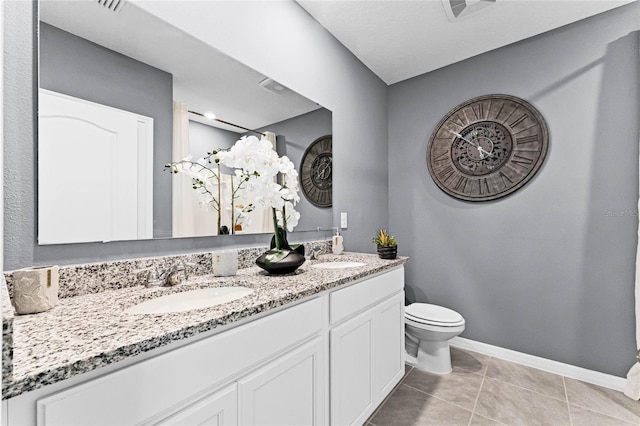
x: 351, y: 300
x: 220, y: 408
x: 162, y: 384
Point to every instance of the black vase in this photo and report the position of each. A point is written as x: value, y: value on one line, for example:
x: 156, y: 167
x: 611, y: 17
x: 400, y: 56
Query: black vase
x: 387, y: 252
x: 287, y: 265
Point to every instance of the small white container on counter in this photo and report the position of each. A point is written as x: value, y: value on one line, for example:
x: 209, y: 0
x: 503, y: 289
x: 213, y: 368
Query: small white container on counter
x: 35, y: 289
x: 224, y: 263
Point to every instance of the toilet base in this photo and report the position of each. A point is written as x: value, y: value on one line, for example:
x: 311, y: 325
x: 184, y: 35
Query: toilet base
x: 432, y: 356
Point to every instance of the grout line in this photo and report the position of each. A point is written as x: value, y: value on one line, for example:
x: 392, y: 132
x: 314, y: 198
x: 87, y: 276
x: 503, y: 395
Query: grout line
x: 613, y: 416
x: 379, y: 407
x: 527, y: 389
x: 566, y: 397
x: 438, y: 398
x: 475, y: 403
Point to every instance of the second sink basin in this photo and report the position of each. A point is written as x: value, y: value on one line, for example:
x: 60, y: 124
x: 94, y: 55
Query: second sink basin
x: 337, y: 265
x: 188, y: 300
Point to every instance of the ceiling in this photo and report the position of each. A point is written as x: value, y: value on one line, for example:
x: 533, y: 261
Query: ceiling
x: 400, y: 39
x: 203, y: 77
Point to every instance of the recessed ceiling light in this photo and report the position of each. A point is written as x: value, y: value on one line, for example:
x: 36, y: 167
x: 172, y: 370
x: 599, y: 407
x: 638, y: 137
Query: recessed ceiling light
x: 210, y: 115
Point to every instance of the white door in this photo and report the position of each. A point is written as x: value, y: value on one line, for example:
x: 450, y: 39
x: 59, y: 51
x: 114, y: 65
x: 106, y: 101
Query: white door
x: 352, y: 360
x: 218, y: 409
x: 288, y: 391
x: 94, y: 172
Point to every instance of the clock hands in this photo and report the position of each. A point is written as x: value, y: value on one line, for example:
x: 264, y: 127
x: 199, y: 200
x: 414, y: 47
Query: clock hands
x: 481, y: 151
x: 486, y: 153
x: 464, y: 139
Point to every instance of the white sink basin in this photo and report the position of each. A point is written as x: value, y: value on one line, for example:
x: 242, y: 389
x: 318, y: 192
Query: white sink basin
x: 337, y: 265
x: 188, y: 300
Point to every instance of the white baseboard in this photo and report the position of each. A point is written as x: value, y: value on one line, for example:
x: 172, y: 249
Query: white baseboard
x: 571, y: 371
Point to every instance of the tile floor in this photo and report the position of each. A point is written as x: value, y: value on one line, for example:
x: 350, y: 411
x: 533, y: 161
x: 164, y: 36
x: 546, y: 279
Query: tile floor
x: 483, y: 390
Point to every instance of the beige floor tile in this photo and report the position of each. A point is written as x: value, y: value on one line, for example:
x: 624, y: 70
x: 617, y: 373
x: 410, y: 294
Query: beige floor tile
x: 477, y: 420
x: 513, y: 405
x: 583, y: 417
x: 410, y: 407
x: 602, y: 400
x: 460, y: 388
x: 529, y: 378
x: 462, y: 359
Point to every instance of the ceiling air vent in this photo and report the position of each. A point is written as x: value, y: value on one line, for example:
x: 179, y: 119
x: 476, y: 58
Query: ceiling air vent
x: 456, y: 9
x: 113, y: 5
x: 273, y: 86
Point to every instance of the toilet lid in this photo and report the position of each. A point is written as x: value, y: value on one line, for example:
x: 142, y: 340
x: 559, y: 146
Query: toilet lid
x: 432, y: 314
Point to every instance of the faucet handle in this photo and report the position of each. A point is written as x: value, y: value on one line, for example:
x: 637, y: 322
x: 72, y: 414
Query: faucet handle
x: 177, y: 274
x: 152, y: 278
x: 315, y: 251
x: 184, y: 267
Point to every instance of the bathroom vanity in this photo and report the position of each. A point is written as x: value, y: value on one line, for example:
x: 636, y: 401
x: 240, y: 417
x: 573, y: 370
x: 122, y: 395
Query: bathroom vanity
x: 322, y: 346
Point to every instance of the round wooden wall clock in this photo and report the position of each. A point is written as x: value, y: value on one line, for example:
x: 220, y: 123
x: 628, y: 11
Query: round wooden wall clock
x: 316, y: 172
x: 487, y: 147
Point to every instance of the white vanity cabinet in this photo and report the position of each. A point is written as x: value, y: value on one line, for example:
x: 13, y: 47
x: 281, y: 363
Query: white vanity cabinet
x: 255, y: 365
x: 367, y: 346
x: 289, y: 391
x: 218, y: 409
x: 329, y: 360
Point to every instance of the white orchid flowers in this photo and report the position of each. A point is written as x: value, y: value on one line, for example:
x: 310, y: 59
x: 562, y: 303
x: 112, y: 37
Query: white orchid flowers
x: 256, y: 168
x: 259, y: 163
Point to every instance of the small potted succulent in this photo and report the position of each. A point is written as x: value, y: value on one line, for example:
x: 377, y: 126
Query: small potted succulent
x: 387, y: 246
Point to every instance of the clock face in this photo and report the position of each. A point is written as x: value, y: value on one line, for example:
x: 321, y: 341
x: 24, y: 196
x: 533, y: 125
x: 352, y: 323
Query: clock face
x: 487, y: 147
x: 316, y: 172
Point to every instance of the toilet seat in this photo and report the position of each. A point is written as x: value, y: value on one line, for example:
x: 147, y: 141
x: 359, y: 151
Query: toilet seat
x: 425, y: 313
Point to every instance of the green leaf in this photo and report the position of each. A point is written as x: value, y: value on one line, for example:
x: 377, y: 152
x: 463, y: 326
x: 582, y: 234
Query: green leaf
x: 282, y: 235
x: 275, y: 256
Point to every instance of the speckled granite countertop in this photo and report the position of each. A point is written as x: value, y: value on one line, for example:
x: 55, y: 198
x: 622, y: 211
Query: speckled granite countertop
x: 89, y: 331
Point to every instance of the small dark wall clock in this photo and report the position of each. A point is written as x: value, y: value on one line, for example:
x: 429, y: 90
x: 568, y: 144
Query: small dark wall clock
x: 487, y: 147
x: 316, y: 172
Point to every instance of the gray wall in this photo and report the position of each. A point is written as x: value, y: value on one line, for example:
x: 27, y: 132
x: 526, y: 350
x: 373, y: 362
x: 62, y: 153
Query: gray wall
x: 80, y: 68
x: 320, y: 69
x: 549, y: 270
x: 203, y: 139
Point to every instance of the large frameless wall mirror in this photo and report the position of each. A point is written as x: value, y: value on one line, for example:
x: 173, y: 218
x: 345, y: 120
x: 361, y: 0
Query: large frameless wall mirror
x: 121, y: 94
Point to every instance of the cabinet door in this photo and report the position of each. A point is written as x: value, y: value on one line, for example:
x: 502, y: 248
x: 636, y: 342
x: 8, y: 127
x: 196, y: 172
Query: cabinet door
x: 352, y: 361
x: 288, y: 391
x: 389, y: 343
x: 218, y: 409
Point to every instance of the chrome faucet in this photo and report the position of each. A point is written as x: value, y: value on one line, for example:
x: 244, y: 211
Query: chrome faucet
x: 152, y: 278
x: 333, y: 229
x: 175, y: 275
x: 315, y: 252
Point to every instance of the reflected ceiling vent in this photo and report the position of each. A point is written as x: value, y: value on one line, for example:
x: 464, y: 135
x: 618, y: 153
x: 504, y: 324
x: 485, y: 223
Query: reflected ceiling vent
x: 456, y: 9
x: 273, y: 86
x: 113, y: 5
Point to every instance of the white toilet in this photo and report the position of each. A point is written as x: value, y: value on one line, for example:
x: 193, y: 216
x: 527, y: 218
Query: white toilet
x: 428, y: 329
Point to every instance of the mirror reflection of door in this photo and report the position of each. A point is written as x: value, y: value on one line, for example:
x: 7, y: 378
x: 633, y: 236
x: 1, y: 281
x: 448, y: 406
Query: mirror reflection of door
x: 94, y: 172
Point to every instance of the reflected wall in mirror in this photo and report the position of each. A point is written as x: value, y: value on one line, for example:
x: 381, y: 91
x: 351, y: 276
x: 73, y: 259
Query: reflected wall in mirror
x: 103, y: 179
